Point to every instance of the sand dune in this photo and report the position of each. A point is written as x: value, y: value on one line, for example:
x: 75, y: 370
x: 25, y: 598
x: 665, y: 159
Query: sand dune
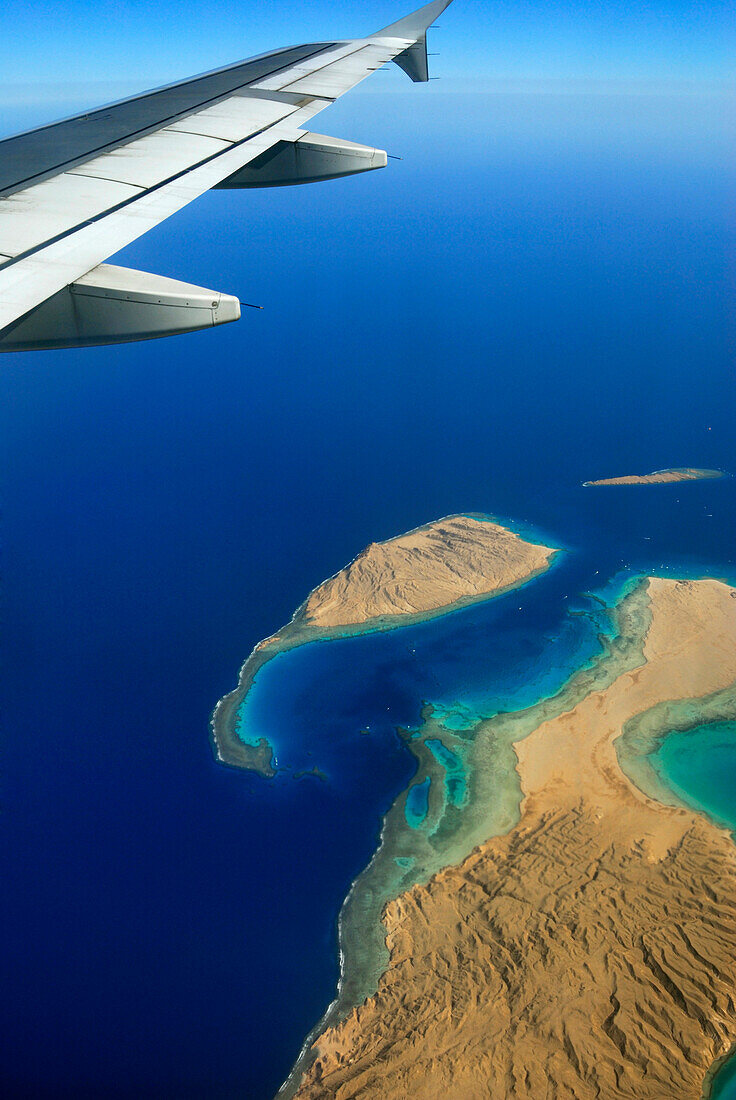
x: 589, y: 953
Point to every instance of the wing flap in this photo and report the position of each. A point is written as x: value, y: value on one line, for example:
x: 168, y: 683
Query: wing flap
x: 150, y: 160
x: 41, y: 213
x: 68, y: 201
x: 234, y: 119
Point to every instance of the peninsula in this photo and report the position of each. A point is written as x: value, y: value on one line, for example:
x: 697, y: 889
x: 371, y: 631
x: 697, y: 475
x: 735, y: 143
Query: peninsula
x: 441, y: 566
x: 588, y: 947
x: 660, y: 477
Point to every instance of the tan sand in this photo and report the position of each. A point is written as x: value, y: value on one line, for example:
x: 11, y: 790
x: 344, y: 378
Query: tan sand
x: 660, y: 477
x: 591, y: 952
x: 451, y: 560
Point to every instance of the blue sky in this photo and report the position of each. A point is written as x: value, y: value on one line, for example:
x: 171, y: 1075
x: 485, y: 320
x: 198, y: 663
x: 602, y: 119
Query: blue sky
x: 59, y: 56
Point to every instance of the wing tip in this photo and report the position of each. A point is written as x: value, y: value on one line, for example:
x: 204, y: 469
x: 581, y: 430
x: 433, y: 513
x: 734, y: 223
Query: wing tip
x: 417, y: 24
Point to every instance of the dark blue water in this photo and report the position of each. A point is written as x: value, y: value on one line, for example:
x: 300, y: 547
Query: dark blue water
x: 480, y: 329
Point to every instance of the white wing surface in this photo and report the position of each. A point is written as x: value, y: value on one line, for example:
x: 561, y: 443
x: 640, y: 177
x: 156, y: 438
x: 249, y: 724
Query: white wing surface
x: 76, y: 192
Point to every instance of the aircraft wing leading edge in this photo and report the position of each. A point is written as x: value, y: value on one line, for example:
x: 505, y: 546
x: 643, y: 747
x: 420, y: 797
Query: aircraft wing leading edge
x: 74, y: 193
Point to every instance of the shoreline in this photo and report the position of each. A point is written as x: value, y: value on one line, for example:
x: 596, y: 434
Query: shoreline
x: 230, y: 749
x: 644, y: 735
x: 494, y: 737
x: 639, y: 742
x: 710, y: 1081
x: 627, y: 657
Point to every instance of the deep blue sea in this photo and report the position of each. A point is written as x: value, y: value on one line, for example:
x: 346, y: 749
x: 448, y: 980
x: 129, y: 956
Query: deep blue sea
x: 540, y: 293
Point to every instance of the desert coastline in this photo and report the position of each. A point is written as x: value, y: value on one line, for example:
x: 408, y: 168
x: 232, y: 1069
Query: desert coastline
x: 493, y: 808
x: 573, y: 892
x: 345, y: 604
x: 643, y: 736
x: 710, y: 1082
x: 558, y: 855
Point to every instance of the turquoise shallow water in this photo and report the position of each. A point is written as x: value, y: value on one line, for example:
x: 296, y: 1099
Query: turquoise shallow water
x: 455, y: 783
x: 724, y: 1086
x: 417, y: 803
x: 700, y: 766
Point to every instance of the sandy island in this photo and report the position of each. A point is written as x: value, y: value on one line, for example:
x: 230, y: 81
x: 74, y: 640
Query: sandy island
x: 444, y: 565
x: 660, y: 477
x: 590, y: 951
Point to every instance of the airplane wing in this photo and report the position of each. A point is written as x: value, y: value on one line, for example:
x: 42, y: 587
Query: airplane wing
x: 76, y: 192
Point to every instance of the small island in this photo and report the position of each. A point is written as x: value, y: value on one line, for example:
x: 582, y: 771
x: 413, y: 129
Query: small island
x: 440, y: 567
x: 660, y: 477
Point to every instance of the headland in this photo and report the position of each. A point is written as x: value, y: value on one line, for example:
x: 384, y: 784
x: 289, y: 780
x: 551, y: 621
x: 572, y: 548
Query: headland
x: 570, y: 929
x: 660, y: 477
x: 440, y: 567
